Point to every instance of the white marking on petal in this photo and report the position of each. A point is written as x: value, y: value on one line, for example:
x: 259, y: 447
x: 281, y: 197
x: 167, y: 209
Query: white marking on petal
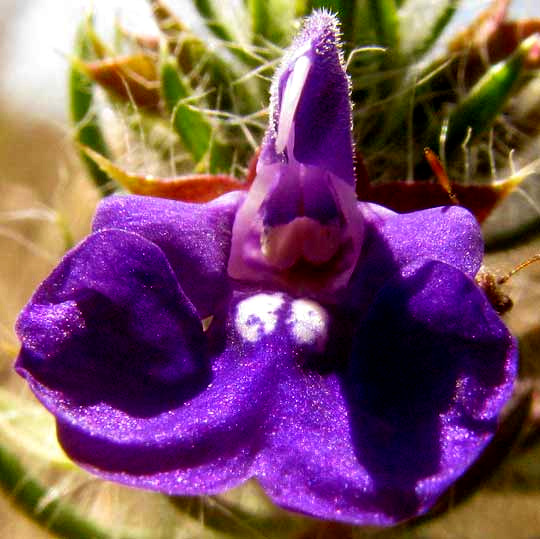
x: 257, y: 316
x: 290, y: 100
x: 308, y: 323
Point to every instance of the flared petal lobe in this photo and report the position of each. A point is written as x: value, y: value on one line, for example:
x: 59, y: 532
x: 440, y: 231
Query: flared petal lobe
x: 430, y: 369
x: 115, y: 350
x: 112, y: 323
x: 426, y: 393
x: 215, y: 437
x: 392, y: 241
x: 195, y: 238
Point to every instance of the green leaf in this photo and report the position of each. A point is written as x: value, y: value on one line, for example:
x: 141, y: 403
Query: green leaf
x: 384, y: 17
x: 199, y: 61
x: 479, y: 109
x: 190, y: 124
x: 272, y: 19
x: 207, y: 9
x: 231, y: 30
x: 193, y: 127
x: 81, y: 96
x: 301, y: 7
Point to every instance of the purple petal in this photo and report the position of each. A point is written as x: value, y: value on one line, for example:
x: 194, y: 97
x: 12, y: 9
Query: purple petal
x: 194, y: 237
x: 448, y: 234
x: 432, y: 367
x: 215, y: 439
x: 203, y: 443
x: 310, y: 463
x: 430, y: 370
x: 112, y: 324
x: 203, y: 446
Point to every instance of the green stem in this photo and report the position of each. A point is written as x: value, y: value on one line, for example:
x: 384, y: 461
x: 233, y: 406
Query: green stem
x: 27, y: 495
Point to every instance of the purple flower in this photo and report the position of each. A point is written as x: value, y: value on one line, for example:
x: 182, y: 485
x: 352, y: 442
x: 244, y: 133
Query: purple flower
x: 338, y: 352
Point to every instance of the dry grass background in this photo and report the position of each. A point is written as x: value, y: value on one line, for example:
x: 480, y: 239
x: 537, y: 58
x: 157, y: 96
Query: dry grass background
x: 34, y: 157
x: 39, y: 170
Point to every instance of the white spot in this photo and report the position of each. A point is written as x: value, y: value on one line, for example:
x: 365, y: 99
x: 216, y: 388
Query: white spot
x: 258, y: 315
x: 290, y: 100
x: 308, y: 323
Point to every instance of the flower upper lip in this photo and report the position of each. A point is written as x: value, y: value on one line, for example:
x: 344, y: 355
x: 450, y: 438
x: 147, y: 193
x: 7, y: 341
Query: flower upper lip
x: 359, y: 395
x: 299, y: 228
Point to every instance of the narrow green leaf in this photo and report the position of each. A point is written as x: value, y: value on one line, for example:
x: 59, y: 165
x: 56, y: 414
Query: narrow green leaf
x: 199, y: 61
x: 441, y: 22
x: 208, y: 11
x: 232, y: 30
x: 272, y: 19
x: 384, y: 17
x: 477, y: 112
x: 84, y: 118
x: 301, y: 7
x: 190, y: 124
x: 364, y: 33
x: 28, y: 495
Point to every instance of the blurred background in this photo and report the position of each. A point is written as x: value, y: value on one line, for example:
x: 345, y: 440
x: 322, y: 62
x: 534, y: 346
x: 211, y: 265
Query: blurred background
x: 45, y: 196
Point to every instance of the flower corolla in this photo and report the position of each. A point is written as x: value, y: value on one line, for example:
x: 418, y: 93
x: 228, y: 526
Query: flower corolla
x: 347, y: 360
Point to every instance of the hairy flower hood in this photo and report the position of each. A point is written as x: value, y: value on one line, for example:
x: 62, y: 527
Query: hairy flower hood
x: 348, y: 360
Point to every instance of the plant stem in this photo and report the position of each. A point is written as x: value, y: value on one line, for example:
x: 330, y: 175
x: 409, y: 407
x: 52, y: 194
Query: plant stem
x: 27, y: 495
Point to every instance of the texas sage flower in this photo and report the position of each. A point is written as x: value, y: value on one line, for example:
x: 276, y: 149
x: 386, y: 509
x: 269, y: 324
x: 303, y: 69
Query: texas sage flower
x: 336, y: 351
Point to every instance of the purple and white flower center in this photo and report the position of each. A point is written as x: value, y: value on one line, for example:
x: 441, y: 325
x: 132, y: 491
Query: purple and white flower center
x: 261, y: 315
x: 257, y: 316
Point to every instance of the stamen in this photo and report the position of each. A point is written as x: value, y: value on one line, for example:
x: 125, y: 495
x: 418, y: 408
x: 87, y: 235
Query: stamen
x: 440, y: 173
